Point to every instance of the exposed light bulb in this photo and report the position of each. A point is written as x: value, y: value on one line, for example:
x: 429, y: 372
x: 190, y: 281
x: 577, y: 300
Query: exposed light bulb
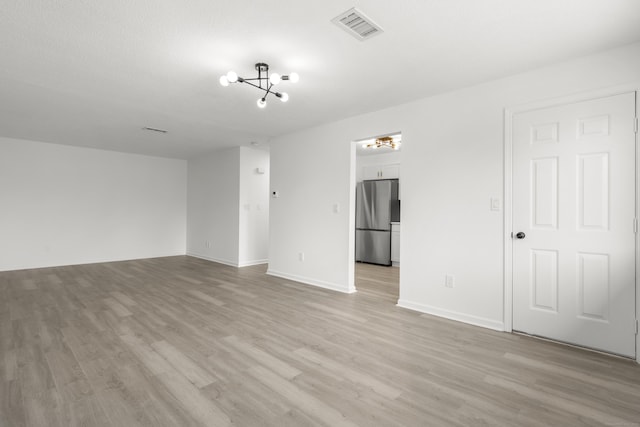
x: 275, y: 78
x: 232, y: 76
x: 224, y: 81
x: 294, y: 77
x: 284, y: 97
x: 261, y: 103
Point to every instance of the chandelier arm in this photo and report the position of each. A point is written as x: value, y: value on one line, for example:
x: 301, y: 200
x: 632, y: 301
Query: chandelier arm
x: 268, y: 89
x: 254, y: 85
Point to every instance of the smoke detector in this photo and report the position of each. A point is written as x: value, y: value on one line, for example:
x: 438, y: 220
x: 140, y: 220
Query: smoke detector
x: 357, y: 24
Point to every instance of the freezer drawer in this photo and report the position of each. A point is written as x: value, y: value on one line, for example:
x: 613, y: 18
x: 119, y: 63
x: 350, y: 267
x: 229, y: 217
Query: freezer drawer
x: 373, y: 246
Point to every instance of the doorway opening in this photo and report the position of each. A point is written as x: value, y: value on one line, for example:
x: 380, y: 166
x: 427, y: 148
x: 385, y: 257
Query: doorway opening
x: 376, y: 215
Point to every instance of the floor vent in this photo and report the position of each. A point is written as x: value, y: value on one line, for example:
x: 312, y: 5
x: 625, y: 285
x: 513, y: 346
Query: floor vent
x: 357, y: 24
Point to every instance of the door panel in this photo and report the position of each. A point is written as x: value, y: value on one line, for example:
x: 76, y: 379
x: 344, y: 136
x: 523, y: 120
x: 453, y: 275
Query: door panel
x: 544, y: 280
x: 544, y: 190
x: 593, y: 191
x: 574, y: 199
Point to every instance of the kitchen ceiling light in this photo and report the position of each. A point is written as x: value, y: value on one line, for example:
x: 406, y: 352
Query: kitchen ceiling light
x: 263, y: 82
x: 384, y: 141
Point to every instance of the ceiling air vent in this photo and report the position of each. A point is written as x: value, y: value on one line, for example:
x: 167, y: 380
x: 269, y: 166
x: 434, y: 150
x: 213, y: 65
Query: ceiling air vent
x: 357, y: 24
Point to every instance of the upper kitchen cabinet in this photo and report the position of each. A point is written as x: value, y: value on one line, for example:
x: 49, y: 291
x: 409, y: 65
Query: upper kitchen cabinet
x: 388, y: 171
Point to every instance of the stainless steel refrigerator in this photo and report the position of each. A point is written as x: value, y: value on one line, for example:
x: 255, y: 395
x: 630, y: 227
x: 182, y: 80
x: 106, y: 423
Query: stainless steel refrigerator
x: 375, y: 201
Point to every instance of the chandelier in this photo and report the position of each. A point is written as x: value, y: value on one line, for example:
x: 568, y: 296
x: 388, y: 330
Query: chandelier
x: 392, y: 142
x: 263, y: 82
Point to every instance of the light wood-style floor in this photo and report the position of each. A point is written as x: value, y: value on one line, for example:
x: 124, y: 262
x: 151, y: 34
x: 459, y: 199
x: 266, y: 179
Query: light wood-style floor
x: 179, y: 341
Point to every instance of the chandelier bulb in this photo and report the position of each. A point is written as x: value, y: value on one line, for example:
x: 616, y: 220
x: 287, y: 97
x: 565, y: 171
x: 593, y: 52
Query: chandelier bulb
x: 284, y: 96
x: 232, y: 76
x: 261, y: 103
x: 224, y: 81
x: 275, y: 78
x: 294, y: 77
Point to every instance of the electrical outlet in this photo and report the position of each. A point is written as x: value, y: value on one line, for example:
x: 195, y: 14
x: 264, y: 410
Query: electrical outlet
x: 207, y: 244
x: 449, y: 281
x: 301, y: 256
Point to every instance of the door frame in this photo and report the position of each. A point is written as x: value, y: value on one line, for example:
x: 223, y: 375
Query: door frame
x: 509, y: 113
x: 353, y: 163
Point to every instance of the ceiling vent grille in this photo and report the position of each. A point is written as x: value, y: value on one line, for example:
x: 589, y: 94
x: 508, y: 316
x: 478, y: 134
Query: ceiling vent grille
x: 357, y: 24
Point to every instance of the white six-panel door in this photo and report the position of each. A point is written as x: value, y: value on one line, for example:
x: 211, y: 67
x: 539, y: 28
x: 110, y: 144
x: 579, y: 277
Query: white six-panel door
x: 574, y: 203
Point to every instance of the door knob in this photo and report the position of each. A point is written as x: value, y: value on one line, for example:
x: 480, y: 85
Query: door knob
x: 520, y: 235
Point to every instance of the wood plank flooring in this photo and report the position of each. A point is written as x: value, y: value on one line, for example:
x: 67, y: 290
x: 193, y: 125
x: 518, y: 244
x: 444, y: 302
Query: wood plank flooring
x: 180, y: 341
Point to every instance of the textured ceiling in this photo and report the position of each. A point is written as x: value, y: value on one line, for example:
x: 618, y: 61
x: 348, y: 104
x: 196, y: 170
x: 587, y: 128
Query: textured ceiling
x: 94, y: 73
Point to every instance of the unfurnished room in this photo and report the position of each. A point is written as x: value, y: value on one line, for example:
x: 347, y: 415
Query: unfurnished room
x: 335, y: 213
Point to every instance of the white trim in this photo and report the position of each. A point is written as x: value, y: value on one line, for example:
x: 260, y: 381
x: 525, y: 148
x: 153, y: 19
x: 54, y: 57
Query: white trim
x: 312, y: 282
x: 229, y: 263
x: 87, y: 262
x: 575, y: 97
x: 208, y: 258
x: 508, y: 223
x: 254, y: 262
x: 637, y: 214
x: 453, y: 315
x: 509, y: 112
x: 351, y: 243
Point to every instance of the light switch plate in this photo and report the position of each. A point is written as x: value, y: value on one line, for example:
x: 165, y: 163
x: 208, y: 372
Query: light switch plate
x: 496, y: 204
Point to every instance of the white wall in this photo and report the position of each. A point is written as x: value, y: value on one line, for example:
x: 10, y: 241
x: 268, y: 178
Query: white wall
x: 62, y: 205
x: 312, y: 172
x: 254, y: 207
x: 452, y: 164
x: 228, y: 207
x: 212, y: 207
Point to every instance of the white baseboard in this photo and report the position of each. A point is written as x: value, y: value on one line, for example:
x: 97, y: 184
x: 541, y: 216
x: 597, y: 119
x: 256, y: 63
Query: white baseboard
x: 208, y: 258
x: 453, y: 315
x: 229, y: 263
x: 313, y: 282
x: 29, y: 266
x: 255, y: 262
